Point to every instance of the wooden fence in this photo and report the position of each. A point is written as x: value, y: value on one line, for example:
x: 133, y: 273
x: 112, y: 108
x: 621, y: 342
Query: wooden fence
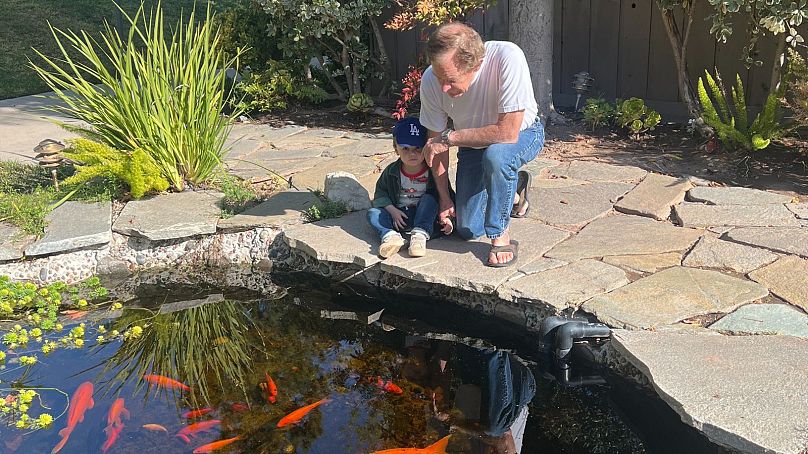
x: 622, y: 44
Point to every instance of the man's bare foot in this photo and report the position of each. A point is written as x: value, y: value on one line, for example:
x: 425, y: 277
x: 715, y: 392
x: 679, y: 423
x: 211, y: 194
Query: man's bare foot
x: 523, y: 211
x: 501, y: 257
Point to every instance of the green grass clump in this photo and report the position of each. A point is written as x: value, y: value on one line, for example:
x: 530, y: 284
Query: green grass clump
x: 324, y: 209
x: 238, y: 194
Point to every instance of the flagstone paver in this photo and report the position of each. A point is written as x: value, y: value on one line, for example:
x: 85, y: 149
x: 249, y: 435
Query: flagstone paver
x: 74, y: 225
x: 654, y: 196
x: 786, y: 278
x: 314, y: 177
x: 539, y: 167
x: 624, y: 235
x: 347, y: 239
x: 542, y: 264
x: 745, y: 392
x: 168, y: 216
x: 645, y: 263
x: 566, y: 286
x: 791, y: 240
x: 701, y: 215
x: 736, y: 196
x: 467, y: 258
x: 598, y: 171
x: 282, y: 209
x: 364, y: 147
x: 714, y: 253
x: 575, y: 206
x: 799, y: 209
x: 553, y: 183
x: 671, y: 295
x: 765, y: 319
x: 13, y: 242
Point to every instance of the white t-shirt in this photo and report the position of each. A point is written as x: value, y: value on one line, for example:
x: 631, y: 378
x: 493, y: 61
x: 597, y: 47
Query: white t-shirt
x: 501, y: 85
x: 412, y: 188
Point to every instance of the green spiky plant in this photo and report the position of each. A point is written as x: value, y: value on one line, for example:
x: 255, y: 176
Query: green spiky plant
x: 731, y: 122
x: 147, y: 92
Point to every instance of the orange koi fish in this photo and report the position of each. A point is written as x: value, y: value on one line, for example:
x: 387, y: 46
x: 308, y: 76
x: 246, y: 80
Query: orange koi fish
x: 272, y: 390
x: 239, y: 407
x: 196, y: 413
x: 165, y: 382
x: 81, y: 401
x: 116, y: 411
x: 439, y: 447
x: 216, y: 445
x: 388, y: 386
x: 295, y: 416
x: 74, y: 314
x: 112, y: 431
x: 155, y: 427
x: 190, y: 431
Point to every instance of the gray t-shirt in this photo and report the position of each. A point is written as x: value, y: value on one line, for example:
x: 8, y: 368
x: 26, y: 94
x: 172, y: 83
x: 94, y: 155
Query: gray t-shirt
x: 501, y: 85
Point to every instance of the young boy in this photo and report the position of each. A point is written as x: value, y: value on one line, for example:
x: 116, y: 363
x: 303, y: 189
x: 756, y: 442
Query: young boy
x: 405, y: 194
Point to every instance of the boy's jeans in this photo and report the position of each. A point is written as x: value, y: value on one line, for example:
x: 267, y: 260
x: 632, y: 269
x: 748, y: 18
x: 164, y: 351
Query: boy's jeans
x: 421, y: 217
x: 486, y: 183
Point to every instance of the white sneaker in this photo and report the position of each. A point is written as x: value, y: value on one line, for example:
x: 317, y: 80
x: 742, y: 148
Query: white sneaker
x: 391, y: 243
x: 417, y: 245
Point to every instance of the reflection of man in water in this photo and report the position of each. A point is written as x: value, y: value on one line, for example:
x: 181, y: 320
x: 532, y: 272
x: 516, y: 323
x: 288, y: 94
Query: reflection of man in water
x: 482, y: 393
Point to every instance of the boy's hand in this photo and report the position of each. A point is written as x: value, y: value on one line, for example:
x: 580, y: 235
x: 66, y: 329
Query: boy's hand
x: 446, y: 226
x: 399, y: 218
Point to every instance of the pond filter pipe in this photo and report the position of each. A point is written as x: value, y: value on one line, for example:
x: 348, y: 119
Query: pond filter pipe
x: 558, y: 335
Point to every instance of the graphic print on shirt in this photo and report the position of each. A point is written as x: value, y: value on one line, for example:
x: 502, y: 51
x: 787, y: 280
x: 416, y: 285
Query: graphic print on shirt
x: 413, y: 186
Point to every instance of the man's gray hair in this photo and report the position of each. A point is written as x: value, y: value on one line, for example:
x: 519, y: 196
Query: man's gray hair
x: 461, y: 38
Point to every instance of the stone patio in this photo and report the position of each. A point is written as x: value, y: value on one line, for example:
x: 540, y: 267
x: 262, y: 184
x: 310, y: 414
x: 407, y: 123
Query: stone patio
x: 629, y: 248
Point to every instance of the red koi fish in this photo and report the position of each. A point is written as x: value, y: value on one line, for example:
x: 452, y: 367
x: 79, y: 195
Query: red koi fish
x: 196, y: 413
x: 388, y: 386
x: 439, y: 447
x: 165, y: 382
x: 239, y: 407
x: 216, y: 445
x: 295, y: 416
x: 112, y: 431
x: 80, y: 402
x: 272, y: 390
x: 116, y: 411
x: 190, y: 431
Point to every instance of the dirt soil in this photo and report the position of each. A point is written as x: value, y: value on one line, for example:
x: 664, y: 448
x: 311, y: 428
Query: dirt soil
x: 670, y: 149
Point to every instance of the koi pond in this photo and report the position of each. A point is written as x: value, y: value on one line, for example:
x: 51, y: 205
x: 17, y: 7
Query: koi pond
x: 184, y: 370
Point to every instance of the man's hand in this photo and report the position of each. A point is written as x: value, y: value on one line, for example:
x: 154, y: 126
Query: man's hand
x: 434, y: 146
x: 399, y: 218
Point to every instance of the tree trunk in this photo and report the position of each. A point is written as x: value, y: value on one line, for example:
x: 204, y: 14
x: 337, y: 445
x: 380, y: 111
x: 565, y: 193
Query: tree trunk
x: 531, y: 28
x: 779, y: 63
x: 383, y: 58
x: 334, y: 84
x: 679, y: 43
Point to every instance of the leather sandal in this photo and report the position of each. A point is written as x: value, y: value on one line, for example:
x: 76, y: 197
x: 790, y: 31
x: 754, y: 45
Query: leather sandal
x: 522, y: 189
x: 513, y: 247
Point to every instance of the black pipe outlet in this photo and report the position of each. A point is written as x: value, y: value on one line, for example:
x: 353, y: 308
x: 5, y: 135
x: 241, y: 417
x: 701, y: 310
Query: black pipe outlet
x: 558, y: 335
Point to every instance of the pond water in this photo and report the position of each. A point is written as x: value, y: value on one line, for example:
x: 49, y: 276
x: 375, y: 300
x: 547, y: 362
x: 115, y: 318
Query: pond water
x: 383, y: 381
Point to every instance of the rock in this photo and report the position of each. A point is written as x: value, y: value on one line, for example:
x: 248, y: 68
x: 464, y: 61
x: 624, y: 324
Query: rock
x: 169, y: 216
x: 765, y: 319
x: 624, y: 235
x: 461, y: 264
x: 654, y: 196
x: 13, y: 242
x: 347, y: 239
x: 744, y: 392
x: 714, y: 253
x: 786, y: 278
x: 574, y: 206
x: 791, y: 240
x: 700, y: 215
x: 799, y: 209
x: 74, y: 225
x: 647, y: 263
x: 566, y: 286
x: 736, y: 196
x: 282, y: 209
x: 344, y: 187
x: 598, y: 171
x: 671, y: 295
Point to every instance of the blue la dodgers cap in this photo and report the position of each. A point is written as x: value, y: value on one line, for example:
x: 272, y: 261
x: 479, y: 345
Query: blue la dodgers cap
x: 409, y: 132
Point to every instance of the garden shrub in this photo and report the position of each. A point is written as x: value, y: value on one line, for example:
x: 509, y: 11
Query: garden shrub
x: 598, y: 112
x: 635, y: 116
x: 136, y: 168
x: 795, y: 98
x: 243, y: 31
x: 730, y: 121
x: 164, y: 97
x: 360, y: 103
x: 273, y: 88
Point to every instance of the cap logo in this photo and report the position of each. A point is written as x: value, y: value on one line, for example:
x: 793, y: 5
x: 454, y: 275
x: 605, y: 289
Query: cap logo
x: 414, y: 130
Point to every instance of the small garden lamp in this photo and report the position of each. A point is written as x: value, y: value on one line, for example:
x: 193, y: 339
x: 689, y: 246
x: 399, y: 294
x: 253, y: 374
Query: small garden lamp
x: 581, y: 82
x: 47, y: 154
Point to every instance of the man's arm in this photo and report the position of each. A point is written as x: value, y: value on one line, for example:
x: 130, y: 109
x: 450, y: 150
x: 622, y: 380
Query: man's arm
x: 505, y: 130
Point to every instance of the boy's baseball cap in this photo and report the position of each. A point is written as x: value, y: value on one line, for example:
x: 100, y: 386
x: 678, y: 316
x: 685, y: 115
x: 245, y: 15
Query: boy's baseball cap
x: 409, y: 132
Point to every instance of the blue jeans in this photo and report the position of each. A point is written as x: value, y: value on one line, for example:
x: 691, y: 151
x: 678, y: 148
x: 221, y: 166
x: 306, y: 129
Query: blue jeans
x: 421, y: 216
x: 486, y: 183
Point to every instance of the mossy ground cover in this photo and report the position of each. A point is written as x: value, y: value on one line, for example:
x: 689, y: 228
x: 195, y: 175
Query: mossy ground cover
x: 24, y: 24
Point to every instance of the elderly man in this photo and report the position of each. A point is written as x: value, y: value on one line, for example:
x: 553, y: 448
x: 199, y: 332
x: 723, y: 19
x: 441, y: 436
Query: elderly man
x: 485, y: 89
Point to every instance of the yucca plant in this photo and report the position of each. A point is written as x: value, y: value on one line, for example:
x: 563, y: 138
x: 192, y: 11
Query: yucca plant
x: 730, y: 121
x: 164, y: 97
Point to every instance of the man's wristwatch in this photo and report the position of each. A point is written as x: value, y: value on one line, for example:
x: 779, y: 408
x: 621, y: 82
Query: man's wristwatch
x: 444, y: 136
